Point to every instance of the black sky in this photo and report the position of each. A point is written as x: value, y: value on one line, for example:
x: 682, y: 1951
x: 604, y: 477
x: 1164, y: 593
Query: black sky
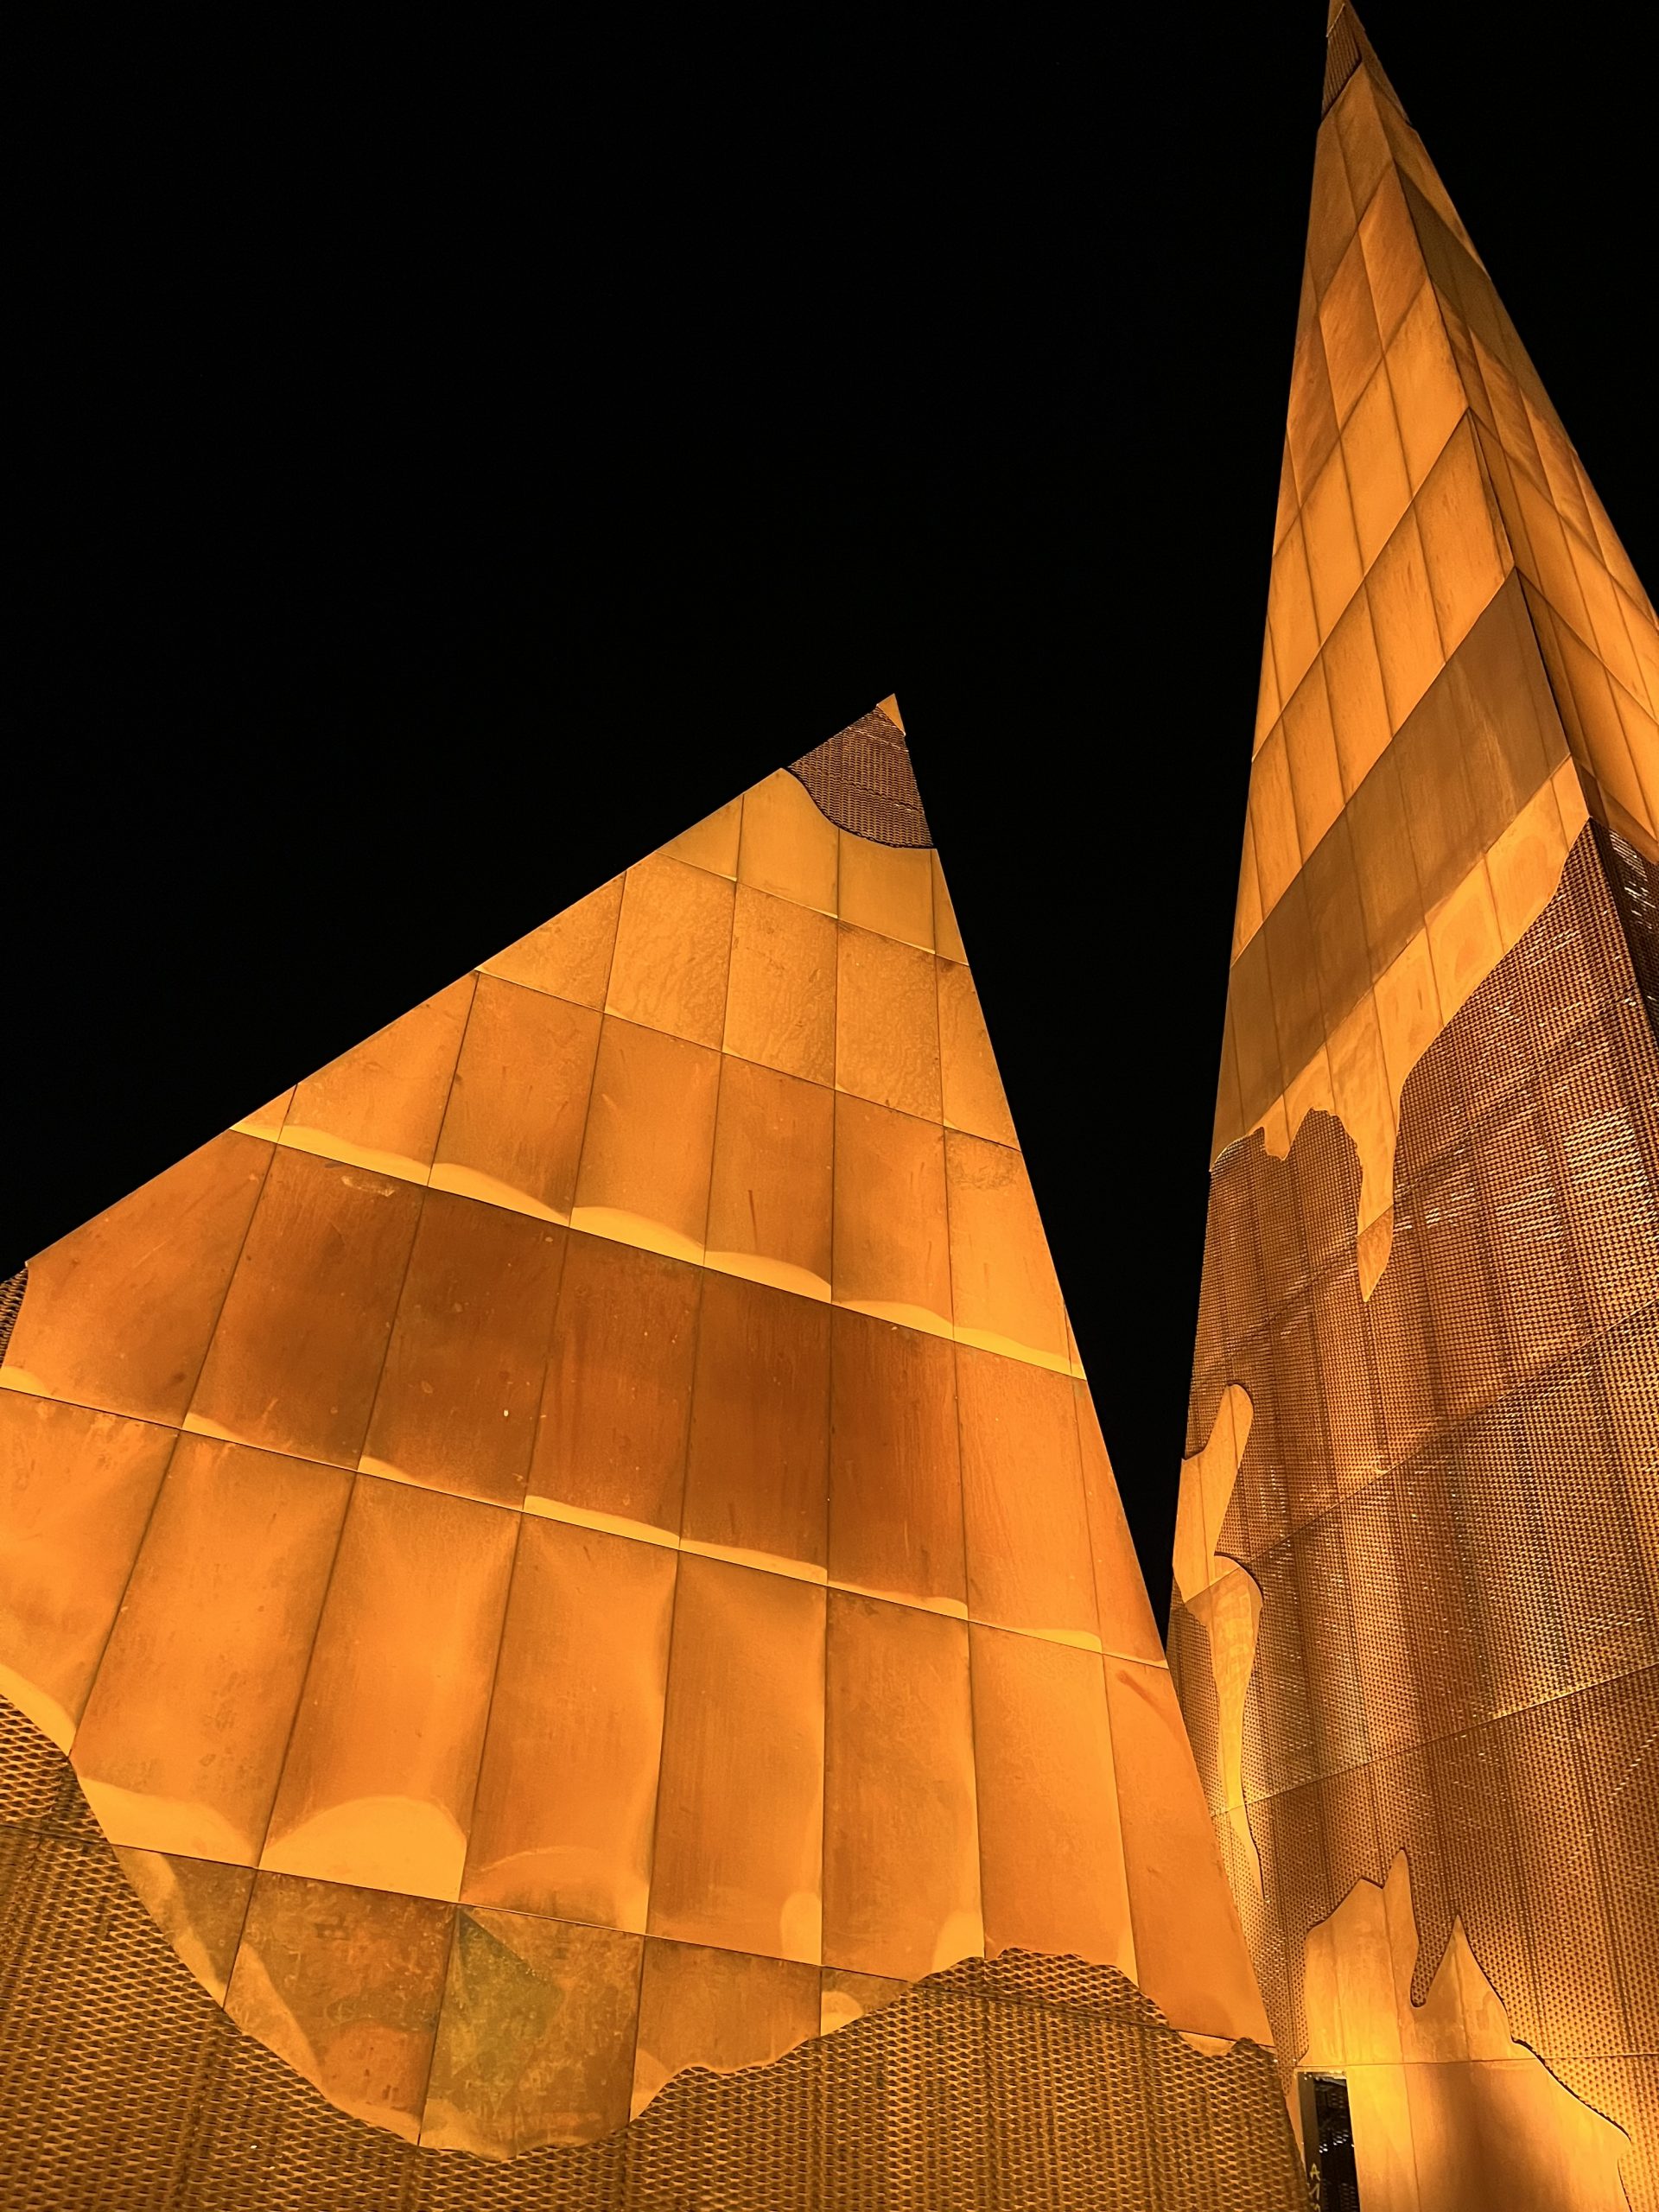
x: 439, y: 517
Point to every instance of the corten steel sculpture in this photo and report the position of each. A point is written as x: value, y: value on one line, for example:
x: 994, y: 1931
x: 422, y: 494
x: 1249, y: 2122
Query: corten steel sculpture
x: 573, y: 1548
x: 1416, y: 1619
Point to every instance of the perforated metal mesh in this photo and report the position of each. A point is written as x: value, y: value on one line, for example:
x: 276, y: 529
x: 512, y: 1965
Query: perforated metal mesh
x: 1345, y: 46
x: 1341, y: 58
x: 1450, y: 1500
x: 11, y: 1299
x: 1007, y: 2086
x: 863, y: 780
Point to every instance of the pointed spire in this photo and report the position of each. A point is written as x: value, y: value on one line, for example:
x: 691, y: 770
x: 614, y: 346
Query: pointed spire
x: 1455, y: 784
x: 861, y: 778
x: 1346, y: 48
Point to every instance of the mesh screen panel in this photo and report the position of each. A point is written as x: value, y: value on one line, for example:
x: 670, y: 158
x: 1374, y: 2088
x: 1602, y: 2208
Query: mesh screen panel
x: 1341, y: 59
x: 863, y: 780
x: 1025, y: 2081
x: 11, y: 1299
x: 1448, y: 1502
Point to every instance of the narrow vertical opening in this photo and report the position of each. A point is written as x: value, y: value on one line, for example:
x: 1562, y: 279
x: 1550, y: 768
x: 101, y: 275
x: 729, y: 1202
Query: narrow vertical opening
x: 1328, y: 2137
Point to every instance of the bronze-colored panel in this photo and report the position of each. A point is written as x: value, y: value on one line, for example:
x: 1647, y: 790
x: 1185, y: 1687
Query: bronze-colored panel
x: 887, y: 1023
x: 380, y: 1105
x: 1428, y: 757
x: 1247, y: 913
x: 1428, y: 395
x: 567, y: 1792
x: 1403, y: 616
x: 296, y: 1356
x: 189, y: 1715
x: 946, y: 934
x: 1267, y: 701
x: 1389, y: 895
x: 569, y: 956
x: 1642, y: 742
x: 673, y: 943
x: 892, y: 1240
x: 758, y: 1471
x: 1377, y: 467
x: 1310, y: 430
x: 901, y: 1833
x: 1524, y: 865
x: 617, y: 1400
x: 198, y: 1904
x: 513, y: 1132
x: 1348, y: 326
x: 972, y: 1089
x: 76, y: 1490
x: 722, y: 2009
x: 1294, y: 976
x: 1335, y: 923
x: 1189, y: 1950
x: 1365, y: 1103
x: 462, y: 1384
x: 780, y: 1006
x: 1292, y: 625
x: 1360, y: 707
x: 1393, y: 260
x: 895, y: 1482
x: 771, y: 1197
x: 1464, y: 939
x: 267, y: 1121
x: 1255, y: 1033
x: 1005, y: 1294
x: 844, y: 1998
x: 787, y: 847
x: 712, y: 842
x: 345, y: 1984
x: 887, y: 888
x: 1230, y: 1124
x: 1602, y: 736
x: 741, y: 1807
x: 377, y: 1785
x: 1331, y: 219
x: 1545, y: 544
x: 1315, y: 773
x: 1332, y: 545
x: 1607, y: 632
x: 1273, y: 819
x: 1274, y: 1126
x: 1309, y: 1092
x: 1460, y: 545
x: 1408, y: 1009
x: 1030, y: 1561
x: 1123, y: 1608
x: 1365, y: 155
x: 535, y: 2042
x: 120, y: 1313
x: 1051, y: 1854
x: 1504, y: 2132
x: 649, y: 1146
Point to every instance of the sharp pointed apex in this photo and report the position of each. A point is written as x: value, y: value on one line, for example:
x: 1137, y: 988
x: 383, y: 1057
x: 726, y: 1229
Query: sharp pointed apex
x: 1346, y: 48
x: 863, y: 780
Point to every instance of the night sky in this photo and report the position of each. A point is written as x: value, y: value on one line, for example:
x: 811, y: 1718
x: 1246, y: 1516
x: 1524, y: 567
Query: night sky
x: 428, y: 534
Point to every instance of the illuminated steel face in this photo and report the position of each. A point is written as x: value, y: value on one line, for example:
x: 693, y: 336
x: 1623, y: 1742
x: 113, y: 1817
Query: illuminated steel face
x: 575, y: 1544
x: 1416, y: 1627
